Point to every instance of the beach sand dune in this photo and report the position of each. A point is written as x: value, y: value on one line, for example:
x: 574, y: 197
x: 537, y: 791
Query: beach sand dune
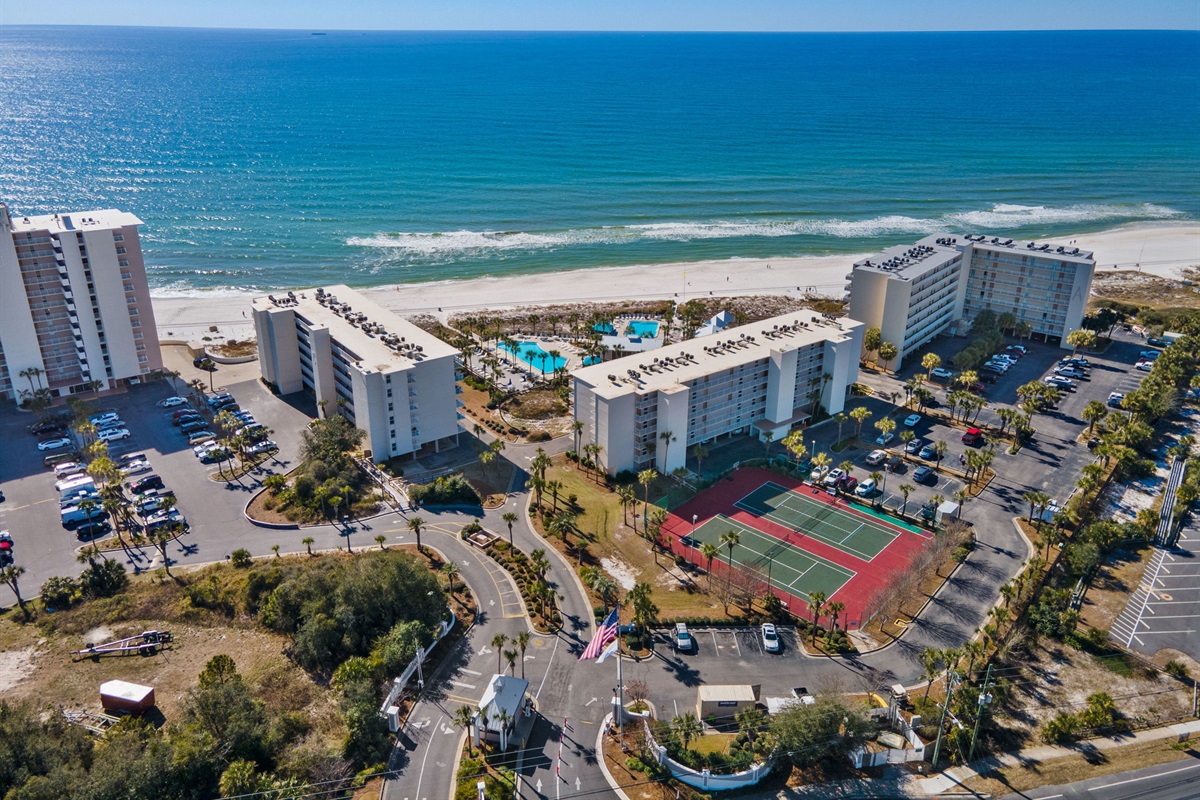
x: 1161, y: 249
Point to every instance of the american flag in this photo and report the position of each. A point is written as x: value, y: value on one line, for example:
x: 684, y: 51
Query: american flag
x: 604, y: 634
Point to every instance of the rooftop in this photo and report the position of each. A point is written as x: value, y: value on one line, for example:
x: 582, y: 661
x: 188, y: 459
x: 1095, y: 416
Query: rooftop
x: 675, y: 364
x: 1060, y: 252
x: 504, y: 692
x: 381, y: 340
x: 104, y: 219
x: 912, y: 261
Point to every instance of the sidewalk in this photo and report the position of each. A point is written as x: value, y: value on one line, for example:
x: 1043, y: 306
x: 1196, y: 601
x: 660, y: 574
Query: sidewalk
x: 953, y: 779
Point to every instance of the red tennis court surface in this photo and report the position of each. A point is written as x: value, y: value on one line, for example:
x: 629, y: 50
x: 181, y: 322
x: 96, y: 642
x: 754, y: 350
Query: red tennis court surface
x: 857, y: 594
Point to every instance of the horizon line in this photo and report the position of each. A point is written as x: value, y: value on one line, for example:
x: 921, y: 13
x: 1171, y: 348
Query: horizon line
x: 317, y: 29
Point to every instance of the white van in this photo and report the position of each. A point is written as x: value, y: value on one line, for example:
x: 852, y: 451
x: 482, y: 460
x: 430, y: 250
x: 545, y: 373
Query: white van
x: 74, y: 515
x: 72, y: 483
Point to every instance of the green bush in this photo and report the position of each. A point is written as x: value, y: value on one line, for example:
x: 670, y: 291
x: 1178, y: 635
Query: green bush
x: 444, y: 491
x: 59, y: 593
x: 241, y: 558
x: 539, y: 436
x: 1177, y: 669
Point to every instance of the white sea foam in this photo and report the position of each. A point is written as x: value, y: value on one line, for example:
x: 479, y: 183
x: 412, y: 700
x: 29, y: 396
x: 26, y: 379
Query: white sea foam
x: 1002, y: 216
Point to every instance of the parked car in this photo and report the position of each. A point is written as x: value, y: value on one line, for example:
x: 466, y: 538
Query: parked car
x: 928, y: 452
x: 770, y: 638
x: 186, y: 419
x: 135, y: 468
x: 895, y: 464
x: 1156, y: 342
x: 847, y: 484
x: 143, y: 485
x: 1144, y: 366
x: 682, y: 640
x: 915, y: 446
x: 203, y: 448
x: 171, y: 402
x: 912, y: 420
x: 130, y: 457
x: 867, y: 488
x: 48, y: 427
x: 215, y: 455
x: 942, y: 373
x: 150, y: 504
x: 6, y: 548
x: 103, y: 416
x: 183, y: 412
x: 972, y: 437
x: 884, y: 439
x: 113, y: 434
x: 269, y: 446
x: 1149, y: 355
x: 834, y: 476
x: 1115, y: 399
x: 922, y: 473
x: 219, y: 398
x: 929, y: 511
x: 189, y: 428
x: 54, y: 444
x: 108, y: 424
x: 66, y: 467
x: 876, y: 457
x: 1070, y: 372
x: 200, y: 437
x: 1020, y: 348
x: 90, y: 529
x: 1060, y: 382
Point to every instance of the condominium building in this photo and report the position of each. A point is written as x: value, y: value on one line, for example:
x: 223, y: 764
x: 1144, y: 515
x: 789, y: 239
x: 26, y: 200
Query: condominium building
x: 75, y: 312
x: 382, y: 373
x: 763, y: 378
x: 914, y: 293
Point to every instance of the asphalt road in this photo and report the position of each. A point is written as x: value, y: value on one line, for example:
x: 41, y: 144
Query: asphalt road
x: 1178, y: 780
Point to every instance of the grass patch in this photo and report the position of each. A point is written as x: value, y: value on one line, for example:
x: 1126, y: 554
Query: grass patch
x: 537, y: 404
x: 712, y: 743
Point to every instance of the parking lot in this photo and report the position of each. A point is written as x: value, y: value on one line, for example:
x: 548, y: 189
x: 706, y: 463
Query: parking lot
x: 213, y: 509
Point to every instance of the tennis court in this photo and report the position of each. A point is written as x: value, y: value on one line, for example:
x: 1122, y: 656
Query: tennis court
x: 790, y: 569
x: 854, y: 534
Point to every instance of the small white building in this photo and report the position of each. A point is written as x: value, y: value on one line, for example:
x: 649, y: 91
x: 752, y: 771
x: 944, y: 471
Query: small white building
x: 720, y: 321
x: 502, y: 705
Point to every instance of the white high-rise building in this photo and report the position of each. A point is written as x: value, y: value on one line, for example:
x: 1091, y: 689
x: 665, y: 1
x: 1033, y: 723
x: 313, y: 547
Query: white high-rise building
x: 382, y: 373
x: 75, y: 312
x: 763, y: 378
x: 914, y: 293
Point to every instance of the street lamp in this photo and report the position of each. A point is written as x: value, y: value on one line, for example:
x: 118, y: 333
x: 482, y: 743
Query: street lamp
x: 692, y: 537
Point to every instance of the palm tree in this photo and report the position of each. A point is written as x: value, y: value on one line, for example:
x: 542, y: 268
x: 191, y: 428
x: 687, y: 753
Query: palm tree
x: 275, y: 550
x: 464, y: 717
x: 645, y: 478
x: 11, y: 575
x: 1036, y: 500
x: 709, y: 551
x: 930, y: 362
x: 821, y: 461
x: 522, y: 643
x: 509, y: 518
x: 816, y: 606
x: 905, y: 489
x: 627, y: 495
x: 498, y: 642
x: 666, y: 437
x: 730, y: 539
x: 511, y: 657
x: 686, y: 727
x: 939, y: 448
x: 379, y: 540
x: 161, y: 537
x: 880, y: 481
x: 1094, y: 412
x: 307, y: 541
x: 577, y: 429
x: 835, y: 608
x: 700, y: 452
x: 859, y: 415
x: 840, y: 419
x: 415, y: 525
x: 931, y: 661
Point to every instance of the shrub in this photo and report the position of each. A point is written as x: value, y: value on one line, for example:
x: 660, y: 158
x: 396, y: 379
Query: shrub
x: 240, y: 558
x: 539, y: 436
x: 103, y: 578
x: 1061, y: 729
x: 59, y: 593
x: 634, y: 764
x: 1177, y: 669
x: 446, y: 490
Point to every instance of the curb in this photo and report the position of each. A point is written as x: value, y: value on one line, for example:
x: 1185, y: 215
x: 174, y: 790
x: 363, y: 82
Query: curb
x: 603, y: 766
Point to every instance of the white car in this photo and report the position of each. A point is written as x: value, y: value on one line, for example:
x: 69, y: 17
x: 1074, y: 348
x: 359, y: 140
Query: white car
x: 135, y: 468
x: 943, y: 373
x: 1059, y: 382
x: 770, y: 638
x: 885, y: 439
x: 110, y: 424
x: 1144, y: 366
x: 834, y: 476
x: 113, y: 434
x: 54, y: 444
x: 105, y: 416
x: 866, y: 488
x: 171, y: 402
x: 876, y: 457
x: 261, y: 447
x: 912, y: 420
x: 201, y: 449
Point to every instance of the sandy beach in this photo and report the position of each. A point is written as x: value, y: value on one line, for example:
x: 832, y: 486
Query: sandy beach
x: 1160, y: 249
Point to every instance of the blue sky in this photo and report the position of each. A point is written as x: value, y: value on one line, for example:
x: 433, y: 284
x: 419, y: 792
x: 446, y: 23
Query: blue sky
x: 645, y: 15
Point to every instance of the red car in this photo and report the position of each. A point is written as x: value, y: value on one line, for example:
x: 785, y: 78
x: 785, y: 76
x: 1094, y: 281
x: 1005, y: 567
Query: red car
x: 972, y: 437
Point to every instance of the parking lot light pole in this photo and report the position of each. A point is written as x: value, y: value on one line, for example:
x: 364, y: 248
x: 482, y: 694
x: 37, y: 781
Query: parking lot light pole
x: 692, y: 537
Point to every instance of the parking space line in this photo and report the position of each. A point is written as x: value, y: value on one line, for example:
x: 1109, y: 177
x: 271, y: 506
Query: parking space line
x: 716, y: 647
x: 736, y: 646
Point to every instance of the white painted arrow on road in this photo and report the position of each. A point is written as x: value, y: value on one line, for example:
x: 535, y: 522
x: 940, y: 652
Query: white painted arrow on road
x: 539, y: 786
x: 424, y: 723
x: 483, y: 651
x: 491, y: 602
x: 577, y: 783
x: 593, y: 700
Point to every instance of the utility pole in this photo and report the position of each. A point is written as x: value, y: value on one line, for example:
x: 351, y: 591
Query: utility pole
x: 951, y: 680
x: 984, y: 699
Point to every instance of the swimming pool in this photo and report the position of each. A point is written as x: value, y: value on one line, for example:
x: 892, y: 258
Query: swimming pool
x: 589, y: 360
x: 642, y: 328
x: 638, y: 328
x: 531, y: 353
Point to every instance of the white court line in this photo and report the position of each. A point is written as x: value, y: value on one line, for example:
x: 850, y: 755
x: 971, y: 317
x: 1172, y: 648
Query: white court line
x: 763, y: 537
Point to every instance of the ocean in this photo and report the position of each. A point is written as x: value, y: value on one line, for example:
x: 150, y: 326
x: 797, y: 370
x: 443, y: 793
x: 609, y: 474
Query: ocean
x: 266, y: 159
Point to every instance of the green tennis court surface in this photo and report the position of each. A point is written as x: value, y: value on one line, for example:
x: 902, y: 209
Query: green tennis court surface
x: 789, y: 568
x: 850, y: 533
